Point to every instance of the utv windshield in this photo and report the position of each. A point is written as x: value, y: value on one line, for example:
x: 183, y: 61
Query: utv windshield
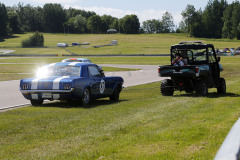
x: 59, y: 70
x: 191, y: 56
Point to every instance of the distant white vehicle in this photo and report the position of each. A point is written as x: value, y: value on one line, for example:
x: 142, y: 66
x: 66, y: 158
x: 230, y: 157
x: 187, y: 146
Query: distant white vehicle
x: 77, y: 60
x: 62, y: 44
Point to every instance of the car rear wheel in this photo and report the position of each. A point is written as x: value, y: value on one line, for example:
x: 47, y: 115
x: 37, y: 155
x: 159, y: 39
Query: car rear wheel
x: 35, y: 102
x: 115, y: 96
x: 86, y: 96
x: 222, y: 86
x: 167, y: 87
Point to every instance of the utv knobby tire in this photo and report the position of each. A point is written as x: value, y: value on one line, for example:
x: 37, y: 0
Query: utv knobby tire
x: 201, y: 88
x: 222, y: 86
x: 167, y: 87
x: 35, y: 102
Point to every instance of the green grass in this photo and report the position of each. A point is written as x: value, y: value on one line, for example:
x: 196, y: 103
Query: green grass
x: 143, y: 125
x: 98, y: 60
x: 128, y: 44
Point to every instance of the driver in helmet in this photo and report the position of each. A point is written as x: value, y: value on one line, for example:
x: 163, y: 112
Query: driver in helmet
x: 179, y: 61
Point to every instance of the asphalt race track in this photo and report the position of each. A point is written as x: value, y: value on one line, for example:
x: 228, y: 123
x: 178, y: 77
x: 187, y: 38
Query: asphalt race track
x: 11, y: 97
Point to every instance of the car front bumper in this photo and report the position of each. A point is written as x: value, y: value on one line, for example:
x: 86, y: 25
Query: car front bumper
x: 48, y: 94
x: 46, y: 91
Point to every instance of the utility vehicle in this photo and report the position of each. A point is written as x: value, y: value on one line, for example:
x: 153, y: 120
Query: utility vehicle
x: 201, y: 70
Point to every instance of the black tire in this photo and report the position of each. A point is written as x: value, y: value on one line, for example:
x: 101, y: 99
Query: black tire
x: 222, y: 86
x: 167, y: 87
x: 35, y: 102
x: 201, y: 88
x: 115, y: 96
x: 86, y: 97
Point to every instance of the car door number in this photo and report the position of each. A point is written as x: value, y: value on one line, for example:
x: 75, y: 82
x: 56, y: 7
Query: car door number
x: 102, y: 86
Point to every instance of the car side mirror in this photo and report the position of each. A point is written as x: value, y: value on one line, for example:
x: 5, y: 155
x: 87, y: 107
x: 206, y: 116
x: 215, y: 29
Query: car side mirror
x: 218, y: 59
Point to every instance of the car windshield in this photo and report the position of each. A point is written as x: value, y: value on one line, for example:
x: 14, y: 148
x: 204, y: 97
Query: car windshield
x: 59, y: 70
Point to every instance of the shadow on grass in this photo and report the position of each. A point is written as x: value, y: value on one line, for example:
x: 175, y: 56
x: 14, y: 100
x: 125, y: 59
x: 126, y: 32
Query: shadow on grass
x: 2, y: 39
x: 77, y: 104
x: 210, y: 95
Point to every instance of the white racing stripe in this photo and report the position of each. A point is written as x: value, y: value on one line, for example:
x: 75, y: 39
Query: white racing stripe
x: 56, y: 86
x: 34, y: 83
x: 57, y: 81
x: 73, y: 63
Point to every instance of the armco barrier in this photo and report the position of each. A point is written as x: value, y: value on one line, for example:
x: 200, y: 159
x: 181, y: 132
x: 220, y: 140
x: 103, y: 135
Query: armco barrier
x: 230, y: 149
x: 117, y: 55
x: 28, y: 55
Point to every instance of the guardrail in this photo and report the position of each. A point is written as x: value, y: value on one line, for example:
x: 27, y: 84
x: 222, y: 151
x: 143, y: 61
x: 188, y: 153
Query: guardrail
x: 28, y: 55
x: 230, y: 149
x: 117, y: 55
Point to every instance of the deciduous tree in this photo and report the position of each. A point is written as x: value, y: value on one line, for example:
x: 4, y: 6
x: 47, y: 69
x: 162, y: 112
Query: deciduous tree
x: 54, y: 17
x: 3, y: 20
x: 130, y: 24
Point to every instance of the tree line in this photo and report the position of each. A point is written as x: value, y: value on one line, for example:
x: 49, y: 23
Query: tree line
x: 53, y: 18
x: 218, y: 20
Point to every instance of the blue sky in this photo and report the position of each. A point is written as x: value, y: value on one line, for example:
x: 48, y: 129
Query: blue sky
x: 144, y: 9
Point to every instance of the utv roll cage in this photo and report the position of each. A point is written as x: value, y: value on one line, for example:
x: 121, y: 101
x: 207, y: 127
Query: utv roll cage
x: 185, y: 50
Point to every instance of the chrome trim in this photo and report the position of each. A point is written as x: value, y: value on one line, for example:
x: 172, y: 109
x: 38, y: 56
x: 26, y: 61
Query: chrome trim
x: 46, y: 91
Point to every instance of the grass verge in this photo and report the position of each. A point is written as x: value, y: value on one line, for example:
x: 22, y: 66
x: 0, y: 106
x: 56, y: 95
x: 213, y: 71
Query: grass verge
x: 98, y: 60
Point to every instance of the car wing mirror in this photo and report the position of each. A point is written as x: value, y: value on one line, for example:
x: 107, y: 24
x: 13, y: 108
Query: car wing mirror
x: 218, y: 59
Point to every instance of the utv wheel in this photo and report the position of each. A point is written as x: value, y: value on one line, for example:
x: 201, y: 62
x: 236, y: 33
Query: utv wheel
x: 35, y: 102
x: 86, y: 97
x: 115, y: 96
x: 167, y: 87
x: 201, y: 88
x: 222, y: 86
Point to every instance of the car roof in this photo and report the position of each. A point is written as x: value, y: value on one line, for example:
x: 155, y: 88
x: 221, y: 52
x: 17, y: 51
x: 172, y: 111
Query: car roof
x: 71, y: 64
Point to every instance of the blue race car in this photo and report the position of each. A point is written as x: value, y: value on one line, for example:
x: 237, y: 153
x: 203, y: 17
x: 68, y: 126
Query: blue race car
x: 70, y: 81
